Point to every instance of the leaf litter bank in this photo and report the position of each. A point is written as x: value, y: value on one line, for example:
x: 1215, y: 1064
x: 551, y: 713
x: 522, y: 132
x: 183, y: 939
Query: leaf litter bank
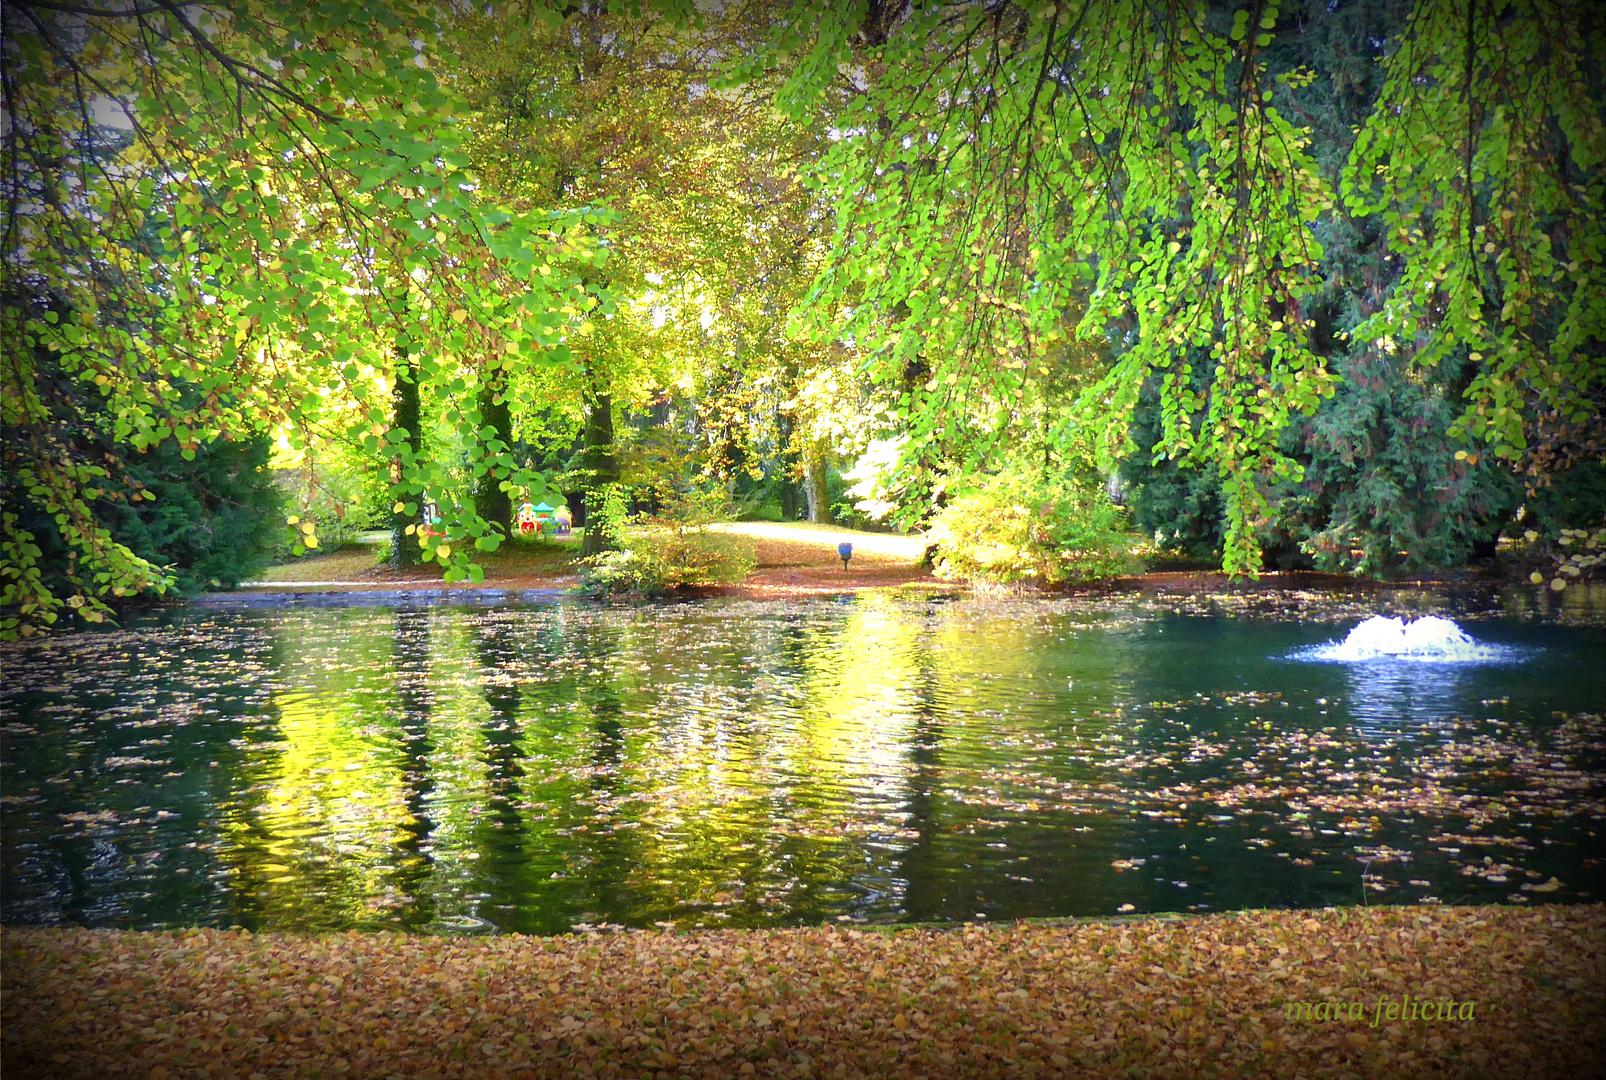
x: 1157, y: 996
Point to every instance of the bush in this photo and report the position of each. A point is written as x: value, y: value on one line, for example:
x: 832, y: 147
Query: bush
x: 212, y: 519
x: 770, y: 511
x: 1020, y: 528
x: 1386, y: 490
x: 336, y: 504
x: 203, y: 521
x: 674, y: 550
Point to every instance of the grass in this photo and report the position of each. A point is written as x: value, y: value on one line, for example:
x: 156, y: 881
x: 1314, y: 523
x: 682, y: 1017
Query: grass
x: 807, y: 543
x: 791, y: 544
x: 517, y: 558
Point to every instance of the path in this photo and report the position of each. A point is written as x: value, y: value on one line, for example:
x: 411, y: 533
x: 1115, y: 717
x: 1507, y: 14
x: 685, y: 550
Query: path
x: 793, y: 559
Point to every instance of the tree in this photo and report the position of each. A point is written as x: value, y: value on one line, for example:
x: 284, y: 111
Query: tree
x: 1483, y: 156
x: 202, y: 521
x: 1001, y: 169
x: 598, y: 108
x: 290, y: 163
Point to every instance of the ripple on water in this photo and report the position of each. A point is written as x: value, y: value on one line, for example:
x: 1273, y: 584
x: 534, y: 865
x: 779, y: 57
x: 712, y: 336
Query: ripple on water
x: 562, y: 765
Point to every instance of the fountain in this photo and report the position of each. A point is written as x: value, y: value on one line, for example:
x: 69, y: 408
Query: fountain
x: 1430, y: 638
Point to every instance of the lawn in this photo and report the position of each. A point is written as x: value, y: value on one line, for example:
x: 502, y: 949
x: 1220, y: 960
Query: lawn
x: 535, y: 561
x: 792, y: 558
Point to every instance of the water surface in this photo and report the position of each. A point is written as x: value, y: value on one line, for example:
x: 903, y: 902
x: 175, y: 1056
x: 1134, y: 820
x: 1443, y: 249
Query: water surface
x: 548, y: 766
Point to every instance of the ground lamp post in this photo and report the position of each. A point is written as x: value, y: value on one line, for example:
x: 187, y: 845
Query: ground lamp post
x: 845, y: 552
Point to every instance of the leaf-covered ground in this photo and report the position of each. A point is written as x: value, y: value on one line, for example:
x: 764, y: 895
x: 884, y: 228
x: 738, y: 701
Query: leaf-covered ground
x: 793, y: 559
x: 1161, y: 997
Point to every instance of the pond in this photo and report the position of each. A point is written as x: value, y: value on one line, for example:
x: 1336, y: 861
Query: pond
x: 546, y: 765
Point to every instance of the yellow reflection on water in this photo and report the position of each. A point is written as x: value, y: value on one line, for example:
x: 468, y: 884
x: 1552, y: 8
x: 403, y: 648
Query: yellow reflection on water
x: 753, y: 791
x: 323, y: 815
x: 365, y: 805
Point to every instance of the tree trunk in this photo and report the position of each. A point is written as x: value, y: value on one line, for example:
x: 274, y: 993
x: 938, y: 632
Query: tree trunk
x: 404, y: 549
x: 788, y: 459
x: 599, y: 468
x: 814, y: 483
x: 490, y: 501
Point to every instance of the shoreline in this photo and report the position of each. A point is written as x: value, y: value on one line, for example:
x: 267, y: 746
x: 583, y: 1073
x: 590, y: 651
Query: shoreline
x: 800, y: 559
x: 812, y: 581
x: 1167, y: 995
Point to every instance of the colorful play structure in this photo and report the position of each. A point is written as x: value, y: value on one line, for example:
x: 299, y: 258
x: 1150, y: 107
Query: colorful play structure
x: 532, y: 519
x: 431, y: 527
x: 543, y: 519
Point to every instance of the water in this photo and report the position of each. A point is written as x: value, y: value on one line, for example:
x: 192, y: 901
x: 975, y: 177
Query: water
x: 563, y: 765
x: 1430, y: 639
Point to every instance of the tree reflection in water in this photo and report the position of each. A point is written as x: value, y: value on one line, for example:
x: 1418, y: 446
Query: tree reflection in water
x: 460, y: 770
x: 414, y: 706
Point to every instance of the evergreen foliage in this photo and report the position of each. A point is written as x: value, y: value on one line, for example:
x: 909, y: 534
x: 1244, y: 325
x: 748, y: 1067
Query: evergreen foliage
x: 214, y: 518
x: 202, y: 520
x: 1394, y: 476
x: 1384, y: 491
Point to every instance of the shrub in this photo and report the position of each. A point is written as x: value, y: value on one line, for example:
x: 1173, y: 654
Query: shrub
x: 674, y: 550
x: 1020, y: 528
x: 607, y: 514
x: 1386, y: 491
x: 202, y: 521
x: 210, y: 519
x: 333, y: 501
x: 770, y: 511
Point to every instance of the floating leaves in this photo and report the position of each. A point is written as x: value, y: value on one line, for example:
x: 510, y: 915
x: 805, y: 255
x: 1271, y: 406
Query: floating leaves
x: 748, y: 764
